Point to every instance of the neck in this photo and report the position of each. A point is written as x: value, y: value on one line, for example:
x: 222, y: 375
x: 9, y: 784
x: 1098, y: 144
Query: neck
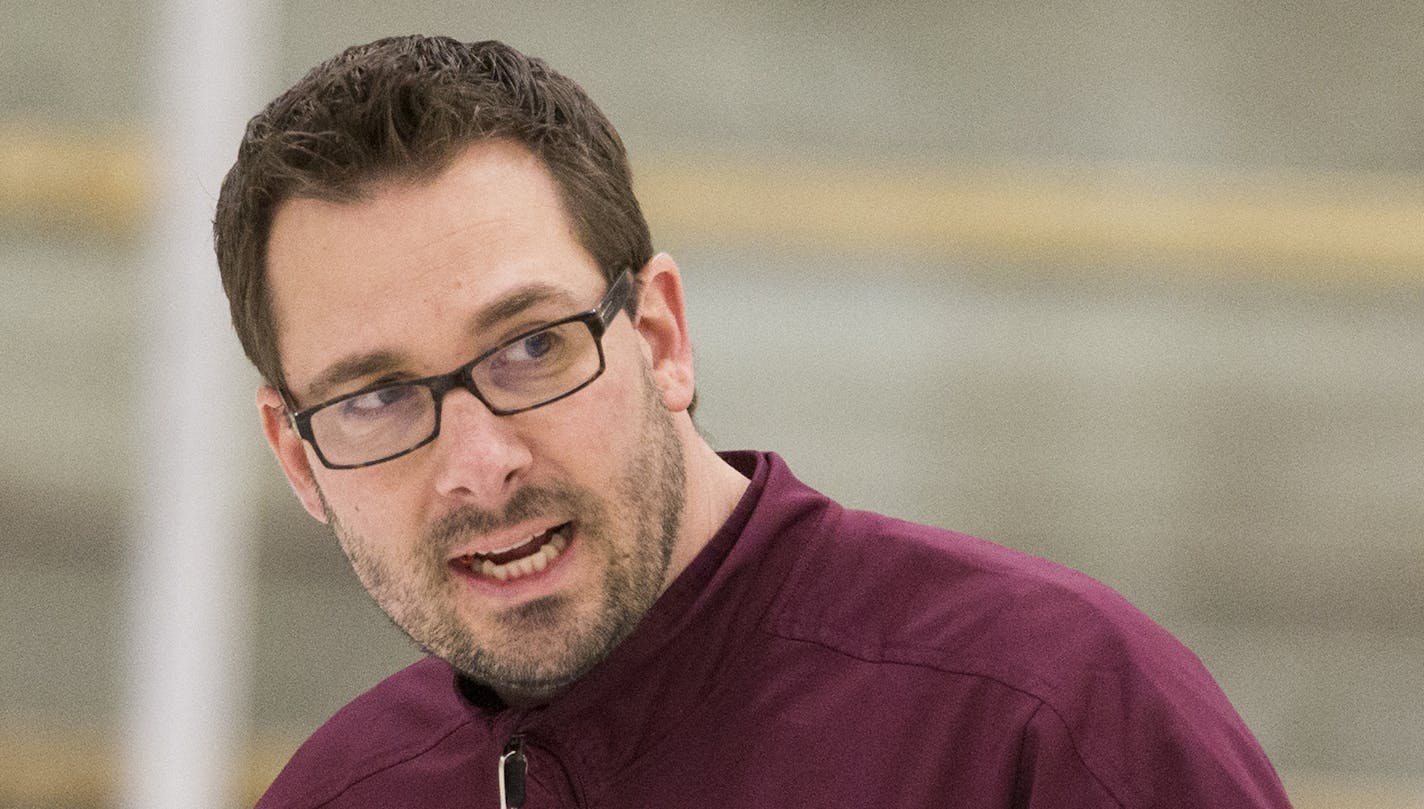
x: 713, y: 490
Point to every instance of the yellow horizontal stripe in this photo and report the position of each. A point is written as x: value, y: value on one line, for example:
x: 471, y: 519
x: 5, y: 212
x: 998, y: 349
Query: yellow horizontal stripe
x: 1323, y: 226
x: 93, y: 181
x: 1349, y: 227
x: 42, y: 767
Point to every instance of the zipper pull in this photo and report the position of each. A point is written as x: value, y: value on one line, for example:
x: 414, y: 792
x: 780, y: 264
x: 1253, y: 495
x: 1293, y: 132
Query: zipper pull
x: 512, y: 768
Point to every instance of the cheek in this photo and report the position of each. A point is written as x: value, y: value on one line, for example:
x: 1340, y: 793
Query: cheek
x: 606, y: 426
x: 572, y: 444
x: 374, y: 506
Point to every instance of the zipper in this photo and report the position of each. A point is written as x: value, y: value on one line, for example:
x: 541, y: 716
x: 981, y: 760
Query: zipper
x: 513, y: 767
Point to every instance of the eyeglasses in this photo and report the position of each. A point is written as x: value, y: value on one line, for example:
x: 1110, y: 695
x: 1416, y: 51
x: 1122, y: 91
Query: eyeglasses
x: 531, y: 370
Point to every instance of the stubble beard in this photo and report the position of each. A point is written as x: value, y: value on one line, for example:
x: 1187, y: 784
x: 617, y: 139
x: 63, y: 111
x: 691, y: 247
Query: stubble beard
x: 536, y: 649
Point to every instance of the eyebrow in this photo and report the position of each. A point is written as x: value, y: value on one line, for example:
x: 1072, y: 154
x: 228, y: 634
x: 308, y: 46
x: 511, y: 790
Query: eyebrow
x: 374, y: 362
x: 517, y: 302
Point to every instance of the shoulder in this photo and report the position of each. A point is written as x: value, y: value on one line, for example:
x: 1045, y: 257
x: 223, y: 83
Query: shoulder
x: 1116, y: 694
x: 880, y: 588
x: 887, y: 587
x: 401, y: 718
x: 875, y: 585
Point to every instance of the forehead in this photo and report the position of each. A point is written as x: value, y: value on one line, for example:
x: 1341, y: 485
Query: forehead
x: 405, y: 270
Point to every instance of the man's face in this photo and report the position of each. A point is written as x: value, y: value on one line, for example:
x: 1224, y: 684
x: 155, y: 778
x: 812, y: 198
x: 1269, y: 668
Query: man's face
x: 520, y: 548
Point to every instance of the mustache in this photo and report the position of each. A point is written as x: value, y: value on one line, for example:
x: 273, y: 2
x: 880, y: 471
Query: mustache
x: 528, y: 503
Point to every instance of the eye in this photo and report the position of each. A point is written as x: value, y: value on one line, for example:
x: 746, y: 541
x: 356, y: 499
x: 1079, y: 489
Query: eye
x: 536, y: 361
x: 379, y: 402
x: 531, y: 348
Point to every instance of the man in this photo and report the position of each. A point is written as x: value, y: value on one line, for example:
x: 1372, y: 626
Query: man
x: 478, y: 373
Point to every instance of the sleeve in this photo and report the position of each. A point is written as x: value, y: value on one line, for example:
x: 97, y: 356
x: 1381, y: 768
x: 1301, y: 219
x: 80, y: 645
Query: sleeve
x: 1152, y: 757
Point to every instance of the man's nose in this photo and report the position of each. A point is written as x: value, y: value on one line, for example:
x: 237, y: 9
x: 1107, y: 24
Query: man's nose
x: 481, y: 455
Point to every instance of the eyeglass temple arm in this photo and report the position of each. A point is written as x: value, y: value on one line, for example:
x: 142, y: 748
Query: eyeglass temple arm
x: 617, y: 297
x: 290, y: 405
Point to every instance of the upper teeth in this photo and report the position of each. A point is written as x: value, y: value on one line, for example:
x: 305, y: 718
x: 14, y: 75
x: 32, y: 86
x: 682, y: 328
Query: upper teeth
x: 532, y: 563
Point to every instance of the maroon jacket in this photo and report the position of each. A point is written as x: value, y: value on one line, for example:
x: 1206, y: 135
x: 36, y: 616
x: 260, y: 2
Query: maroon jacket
x: 816, y: 656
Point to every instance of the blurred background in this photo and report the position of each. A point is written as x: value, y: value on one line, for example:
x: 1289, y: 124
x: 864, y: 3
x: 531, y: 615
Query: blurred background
x: 1138, y: 287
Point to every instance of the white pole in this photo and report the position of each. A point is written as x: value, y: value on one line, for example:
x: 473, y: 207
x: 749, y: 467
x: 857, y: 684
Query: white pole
x: 188, y: 656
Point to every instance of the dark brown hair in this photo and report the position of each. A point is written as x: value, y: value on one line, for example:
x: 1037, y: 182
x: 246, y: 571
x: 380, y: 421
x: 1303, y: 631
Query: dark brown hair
x: 401, y: 109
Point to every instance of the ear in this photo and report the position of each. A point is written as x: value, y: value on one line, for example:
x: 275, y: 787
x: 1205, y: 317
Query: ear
x: 290, y: 450
x: 662, y: 327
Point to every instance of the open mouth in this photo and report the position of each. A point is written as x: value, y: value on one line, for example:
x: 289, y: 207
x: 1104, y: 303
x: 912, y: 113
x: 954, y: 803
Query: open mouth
x: 525, y: 559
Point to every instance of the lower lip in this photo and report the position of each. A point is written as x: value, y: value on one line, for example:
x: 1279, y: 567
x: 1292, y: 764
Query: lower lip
x: 536, y: 584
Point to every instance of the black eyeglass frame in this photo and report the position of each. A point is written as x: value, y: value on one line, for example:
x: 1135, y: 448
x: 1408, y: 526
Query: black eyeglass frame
x: 597, y: 320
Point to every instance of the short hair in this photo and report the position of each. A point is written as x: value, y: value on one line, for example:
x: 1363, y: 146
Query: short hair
x: 401, y: 109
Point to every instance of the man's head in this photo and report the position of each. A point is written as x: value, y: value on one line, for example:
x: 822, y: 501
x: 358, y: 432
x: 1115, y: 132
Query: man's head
x: 386, y: 253
x: 401, y: 109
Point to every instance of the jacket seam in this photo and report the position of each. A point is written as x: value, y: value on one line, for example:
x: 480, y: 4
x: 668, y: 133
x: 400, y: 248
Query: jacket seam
x: 888, y: 656
x: 1078, y: 751
x: 436, y: 742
